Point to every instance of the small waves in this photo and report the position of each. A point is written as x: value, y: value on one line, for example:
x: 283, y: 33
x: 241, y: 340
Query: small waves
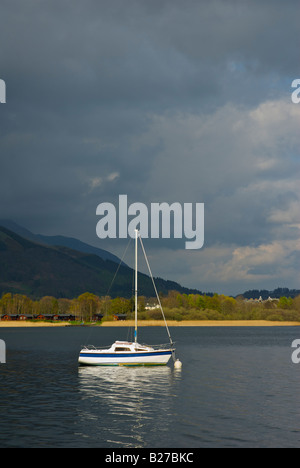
x: 126, y: 406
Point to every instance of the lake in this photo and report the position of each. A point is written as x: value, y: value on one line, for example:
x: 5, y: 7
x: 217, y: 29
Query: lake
x: 238, y: 387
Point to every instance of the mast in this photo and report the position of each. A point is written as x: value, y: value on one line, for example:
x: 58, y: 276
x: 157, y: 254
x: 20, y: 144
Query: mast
x: 136, y: 284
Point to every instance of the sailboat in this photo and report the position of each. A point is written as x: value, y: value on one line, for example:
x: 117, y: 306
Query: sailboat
x: 125, y: 353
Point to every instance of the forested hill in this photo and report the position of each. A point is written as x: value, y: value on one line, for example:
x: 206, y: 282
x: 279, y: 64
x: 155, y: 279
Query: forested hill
x: 38, y: 270
x: 276, y: 294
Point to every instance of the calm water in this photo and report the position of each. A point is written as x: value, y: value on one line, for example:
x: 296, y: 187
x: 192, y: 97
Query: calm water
x: 238, y: 388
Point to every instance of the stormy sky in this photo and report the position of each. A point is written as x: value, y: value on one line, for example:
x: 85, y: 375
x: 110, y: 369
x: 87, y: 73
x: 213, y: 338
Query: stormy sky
x: 164, y: 101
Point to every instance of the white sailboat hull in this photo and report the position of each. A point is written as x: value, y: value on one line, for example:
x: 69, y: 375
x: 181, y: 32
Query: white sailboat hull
x: 110, y: 357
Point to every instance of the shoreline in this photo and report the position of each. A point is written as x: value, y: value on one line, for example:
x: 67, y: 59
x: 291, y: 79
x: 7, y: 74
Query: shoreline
x: 158, y: 323
x: 201, y: 323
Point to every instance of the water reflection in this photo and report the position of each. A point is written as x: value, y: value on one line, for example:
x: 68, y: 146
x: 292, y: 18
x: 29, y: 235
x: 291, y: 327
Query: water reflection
x: 127, y: 407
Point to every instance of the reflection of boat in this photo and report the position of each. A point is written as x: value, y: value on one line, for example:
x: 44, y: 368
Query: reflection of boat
x: 125, y: 353
x: 92, y: 380
x: 119, y: 406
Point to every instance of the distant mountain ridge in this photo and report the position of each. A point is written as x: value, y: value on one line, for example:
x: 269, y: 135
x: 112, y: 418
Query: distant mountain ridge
x: 36, y: 270
x: 39, y: 265
x: 63, y: 241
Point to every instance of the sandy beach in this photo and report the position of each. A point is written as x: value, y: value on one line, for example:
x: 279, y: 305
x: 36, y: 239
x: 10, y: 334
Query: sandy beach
x: 16, y: 324
x: 160, y: 323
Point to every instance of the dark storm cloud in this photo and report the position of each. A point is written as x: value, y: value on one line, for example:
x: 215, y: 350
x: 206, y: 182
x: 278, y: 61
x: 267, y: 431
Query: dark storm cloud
x: 160, y: 100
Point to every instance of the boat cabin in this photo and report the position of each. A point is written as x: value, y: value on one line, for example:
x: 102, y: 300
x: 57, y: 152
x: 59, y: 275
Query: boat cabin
x: 126, y: 346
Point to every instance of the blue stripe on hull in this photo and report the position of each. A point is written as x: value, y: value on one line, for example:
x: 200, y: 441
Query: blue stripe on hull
x: 117, y: 355
x: 126, y: 364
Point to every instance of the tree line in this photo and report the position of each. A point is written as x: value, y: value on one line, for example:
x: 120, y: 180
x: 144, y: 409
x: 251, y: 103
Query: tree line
x: 84, y: 307
x: 176, y: 306
x: 221, y: 307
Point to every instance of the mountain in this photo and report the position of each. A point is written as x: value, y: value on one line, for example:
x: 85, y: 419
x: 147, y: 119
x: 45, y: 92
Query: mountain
x: 63, y: 241
x: 37, y: 270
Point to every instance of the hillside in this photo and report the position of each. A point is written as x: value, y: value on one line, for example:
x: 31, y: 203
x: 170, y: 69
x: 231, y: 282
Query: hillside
x: 38, y: 270
x: 62, y: 241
